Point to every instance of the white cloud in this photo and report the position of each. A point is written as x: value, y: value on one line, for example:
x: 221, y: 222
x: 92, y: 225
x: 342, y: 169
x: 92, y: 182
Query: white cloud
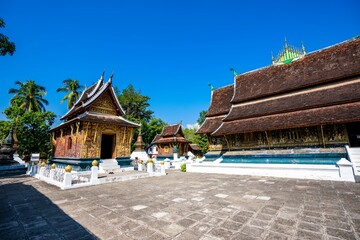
x: 192, y: 126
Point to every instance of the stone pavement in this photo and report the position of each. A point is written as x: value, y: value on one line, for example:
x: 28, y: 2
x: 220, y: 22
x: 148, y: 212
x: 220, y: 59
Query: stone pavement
x: 181, y: 206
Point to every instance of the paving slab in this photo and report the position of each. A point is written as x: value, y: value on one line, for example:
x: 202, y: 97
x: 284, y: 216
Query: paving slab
x: 181, y: 206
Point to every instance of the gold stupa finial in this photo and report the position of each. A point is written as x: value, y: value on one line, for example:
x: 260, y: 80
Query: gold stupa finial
x: 68, y: 169
x: 94, y: 163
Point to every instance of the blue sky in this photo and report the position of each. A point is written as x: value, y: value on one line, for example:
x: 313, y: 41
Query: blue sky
x: 169, y: 50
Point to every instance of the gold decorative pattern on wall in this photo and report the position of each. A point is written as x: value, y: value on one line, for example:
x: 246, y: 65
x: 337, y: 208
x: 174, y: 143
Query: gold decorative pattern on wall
x: 62, y: 139
x: 53, y: 140
x: 77, y: 129
x: 72, y: 134
x: 104, y: 105
x: 85, y: 132
x: 216, y: 144
x: 87, y: 143
x: 92, y: 143
x: 95, y: 132
x: 316, y: 136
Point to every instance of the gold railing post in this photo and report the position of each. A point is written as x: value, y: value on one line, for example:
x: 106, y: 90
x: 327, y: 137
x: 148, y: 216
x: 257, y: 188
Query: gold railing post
x: 227, y: 143
x: 322, y: 135
x: 267, y: 139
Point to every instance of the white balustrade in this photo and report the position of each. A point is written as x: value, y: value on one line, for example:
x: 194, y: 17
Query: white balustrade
x: 150, y: 167
x: 94, y: 174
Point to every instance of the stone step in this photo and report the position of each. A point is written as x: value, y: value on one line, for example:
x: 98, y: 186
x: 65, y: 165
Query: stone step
x: 354, y: 156
x: 108, y: 165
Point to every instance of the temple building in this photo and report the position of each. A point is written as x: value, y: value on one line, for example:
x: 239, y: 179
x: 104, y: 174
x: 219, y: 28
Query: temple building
x: 302, y: 100
x: 163, y: 144
x: 94, y: 128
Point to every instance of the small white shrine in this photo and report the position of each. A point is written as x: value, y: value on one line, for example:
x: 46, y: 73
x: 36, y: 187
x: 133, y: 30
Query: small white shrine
x: 139, y: 153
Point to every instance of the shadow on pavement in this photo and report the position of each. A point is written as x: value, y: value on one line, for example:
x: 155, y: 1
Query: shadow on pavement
x: 25, y: 213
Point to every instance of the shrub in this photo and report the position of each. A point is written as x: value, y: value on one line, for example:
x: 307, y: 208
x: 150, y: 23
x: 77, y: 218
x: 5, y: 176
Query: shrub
x: 183, y: 167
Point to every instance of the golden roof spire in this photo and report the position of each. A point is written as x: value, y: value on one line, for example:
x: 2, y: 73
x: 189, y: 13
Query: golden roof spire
x: 288, y: 54
x: 303, y: 48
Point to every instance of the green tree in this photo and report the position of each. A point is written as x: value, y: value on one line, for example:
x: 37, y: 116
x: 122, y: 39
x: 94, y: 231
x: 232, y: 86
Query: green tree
x: 29, y: 119
x: 4, y: 130
x: 29, y: 96
x: 33, y: 133
x: 152, y: 128
x: 6, y: 47
x: 200, y: 140
x: 15, y: 109
x: 189, y: 134
x: 32, y: 130
x: 134, y: 104
x: 202, y: 117
x: 73, y: 89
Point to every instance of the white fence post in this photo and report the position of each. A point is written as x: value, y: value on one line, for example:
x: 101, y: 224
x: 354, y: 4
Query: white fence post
x: 140, y: 166
x: 42, y: 170
x: 94, y: 172
x: 52, y: 171
x: 67, y: 177
x: 150, y: 166
x: 162, y: 168
x: 30, y: 169
x: 167, y: 163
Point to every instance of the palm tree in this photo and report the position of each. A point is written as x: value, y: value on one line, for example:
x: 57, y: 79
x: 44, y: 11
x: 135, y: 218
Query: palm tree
x: 29, y: 96
x: 73, y: 88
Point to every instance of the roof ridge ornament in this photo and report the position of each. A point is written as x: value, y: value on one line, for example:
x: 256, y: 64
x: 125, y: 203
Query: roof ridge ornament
x: 234, y: 71
x: 303, y: 48
x: 212, y: 88
x: 288, y: 54
x: 111, y: 77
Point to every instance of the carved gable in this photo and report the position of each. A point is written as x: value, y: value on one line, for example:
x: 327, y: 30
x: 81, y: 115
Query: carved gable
x: 104, y: 104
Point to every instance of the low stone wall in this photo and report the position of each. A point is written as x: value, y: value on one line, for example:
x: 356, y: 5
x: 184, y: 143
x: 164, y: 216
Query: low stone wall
x: 342, y: 172
x: 64, y: 178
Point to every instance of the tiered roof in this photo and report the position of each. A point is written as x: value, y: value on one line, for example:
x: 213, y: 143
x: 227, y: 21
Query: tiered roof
x: 320, y: 88
x: 219, y: 108
x: 82, y: 109
x: 170, y: 134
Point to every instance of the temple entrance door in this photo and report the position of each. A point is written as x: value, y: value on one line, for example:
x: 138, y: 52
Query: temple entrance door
x: 353, y: 130
x: 107, y: 146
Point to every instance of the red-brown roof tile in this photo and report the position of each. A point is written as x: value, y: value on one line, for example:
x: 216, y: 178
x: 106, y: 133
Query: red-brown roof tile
x: 195, y: 147
x: 157, y: 137
x: 100, y: 118
x: 171, y: 130
x: 343, y: 92
x: 326, y: 65
x: 172, y: 140
x: 220, y: 101
x: 318, y: 116
x: 210, y: 124
x: 90, y: 95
